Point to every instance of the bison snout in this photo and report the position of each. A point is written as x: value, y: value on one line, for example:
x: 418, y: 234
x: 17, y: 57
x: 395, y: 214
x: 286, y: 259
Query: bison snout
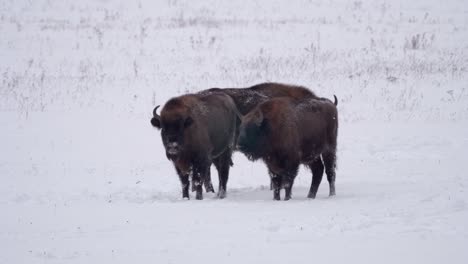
x: 172, y: 148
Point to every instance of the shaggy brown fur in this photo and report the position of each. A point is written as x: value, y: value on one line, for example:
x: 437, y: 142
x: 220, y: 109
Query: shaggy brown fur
x: 285, y: 133
x: 248, y: 98
x: 193, y: 141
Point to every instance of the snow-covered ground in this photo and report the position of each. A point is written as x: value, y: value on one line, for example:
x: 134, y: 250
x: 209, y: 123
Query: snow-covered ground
x: 84, y: 178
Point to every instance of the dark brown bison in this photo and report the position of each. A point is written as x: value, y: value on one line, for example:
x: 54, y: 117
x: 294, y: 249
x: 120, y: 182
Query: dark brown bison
x: 247, y: 99
x: 285, y: 133
x: 198, y: 130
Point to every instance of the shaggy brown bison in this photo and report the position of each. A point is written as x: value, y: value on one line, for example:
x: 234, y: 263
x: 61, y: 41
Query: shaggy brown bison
x: 198, y: 130
x: 247, y: 99
x: 285, y: 133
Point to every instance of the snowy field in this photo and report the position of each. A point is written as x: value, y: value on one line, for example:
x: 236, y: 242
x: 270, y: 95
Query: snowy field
x: 84, y: 178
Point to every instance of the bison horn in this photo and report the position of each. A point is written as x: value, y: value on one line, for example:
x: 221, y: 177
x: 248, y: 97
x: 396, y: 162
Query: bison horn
x: 156, y: 120
x: 154, y: 111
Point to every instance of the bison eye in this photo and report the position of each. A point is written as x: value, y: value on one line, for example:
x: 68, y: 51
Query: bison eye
x: 188, y: 121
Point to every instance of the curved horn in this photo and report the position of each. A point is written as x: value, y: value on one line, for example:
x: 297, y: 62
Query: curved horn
x: 336, y: 100
x: 156, y: 120
x: 154, y: 111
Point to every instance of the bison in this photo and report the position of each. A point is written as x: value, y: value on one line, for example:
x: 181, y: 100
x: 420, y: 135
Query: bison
x: 247, y: 99
x: 198, y: 130
x: 285, y: 133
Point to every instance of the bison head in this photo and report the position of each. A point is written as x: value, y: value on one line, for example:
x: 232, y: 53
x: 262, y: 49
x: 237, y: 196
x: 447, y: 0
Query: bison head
x: 252, y: 133
x: 172, y: 123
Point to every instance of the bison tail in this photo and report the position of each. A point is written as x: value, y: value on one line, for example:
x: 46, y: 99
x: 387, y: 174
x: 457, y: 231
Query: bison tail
x: 336, y: 100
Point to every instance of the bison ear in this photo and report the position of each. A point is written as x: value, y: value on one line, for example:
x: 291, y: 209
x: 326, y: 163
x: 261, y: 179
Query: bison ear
x: 156, y: 122
x: 188, y: 121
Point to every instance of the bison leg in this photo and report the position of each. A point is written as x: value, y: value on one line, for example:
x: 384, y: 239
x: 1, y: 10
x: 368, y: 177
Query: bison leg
x: 287, y: 195
x: 288, y: 181
x: 288, y: 190
x: 223, y: 164
x: 276, y: 192
x: 197, y: 185
x: 200, y: 173
x: 207, y: 182
x: 330, y: 165
x: 276, y: 183
x: 184, y: 180
x: 199, y: 190
x: 317, y: 173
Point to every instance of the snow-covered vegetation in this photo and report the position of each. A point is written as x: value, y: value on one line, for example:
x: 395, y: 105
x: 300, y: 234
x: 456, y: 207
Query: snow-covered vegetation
x: 85, y: 178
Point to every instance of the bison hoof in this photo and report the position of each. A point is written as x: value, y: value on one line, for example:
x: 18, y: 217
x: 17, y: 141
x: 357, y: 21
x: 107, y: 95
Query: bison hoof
x: 209, y: 188
x: 199, y: 196
x: 221, y: 194
x: 185, y: 195
x: 311, y: 195
x: 332, y: 189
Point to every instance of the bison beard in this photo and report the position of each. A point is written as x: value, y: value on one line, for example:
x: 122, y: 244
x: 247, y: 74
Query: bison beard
x: 193, y: 141
x: 285, y: 133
